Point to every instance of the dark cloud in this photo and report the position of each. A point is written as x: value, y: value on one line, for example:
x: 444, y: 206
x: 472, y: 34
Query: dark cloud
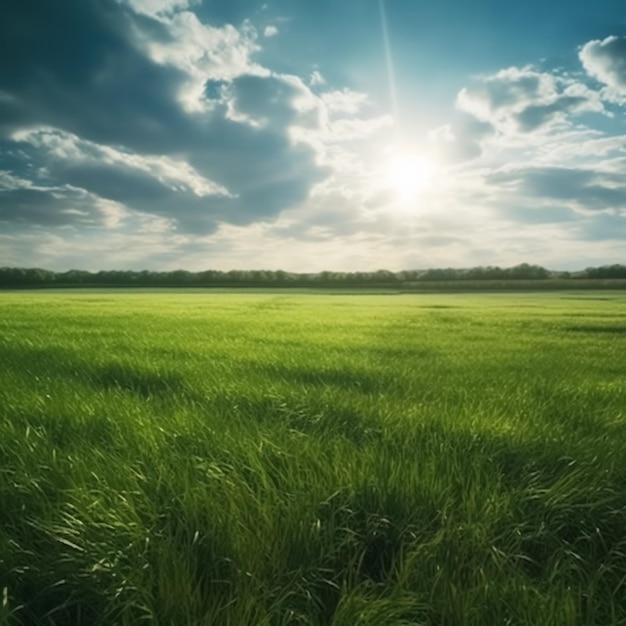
x: 536, y: 115
x: 586, y: 188
x: 529, y: 213
x: 602, y: 227
x: 263, y: 189
x: 18, y: 159
x: 273, y: 100
x: 126, y: 185
x: 50, y: 207
x: 506, y: 89
x: 75, y: 67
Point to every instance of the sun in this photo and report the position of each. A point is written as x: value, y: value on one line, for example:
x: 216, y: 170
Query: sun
x: 409, y: 175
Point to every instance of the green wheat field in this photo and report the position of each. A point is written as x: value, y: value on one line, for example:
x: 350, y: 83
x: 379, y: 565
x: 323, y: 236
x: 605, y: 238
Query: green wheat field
x: 286, y: 459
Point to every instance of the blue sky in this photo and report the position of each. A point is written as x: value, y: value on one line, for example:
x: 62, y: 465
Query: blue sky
x: 307, y: 136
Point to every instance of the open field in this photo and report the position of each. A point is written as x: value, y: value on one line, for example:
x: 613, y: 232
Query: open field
x: 288, y: 459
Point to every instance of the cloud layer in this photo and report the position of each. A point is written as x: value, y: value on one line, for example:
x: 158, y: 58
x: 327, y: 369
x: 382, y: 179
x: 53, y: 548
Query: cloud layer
x: 135, y: 126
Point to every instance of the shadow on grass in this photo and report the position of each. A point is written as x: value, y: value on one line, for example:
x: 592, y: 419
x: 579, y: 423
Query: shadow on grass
x: 316, y: 419
x: 41, y: 601
x: 586, y: 298
x: 141, y: 382
x: 561, y: 523
x: 569, y: 505
x: 46, y: 367
x: 590, y: 328
x: 361, y: 382
x: 65, y: 431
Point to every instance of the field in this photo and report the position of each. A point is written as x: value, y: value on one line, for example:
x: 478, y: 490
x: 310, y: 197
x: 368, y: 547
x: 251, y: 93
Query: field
x: 236, y: 459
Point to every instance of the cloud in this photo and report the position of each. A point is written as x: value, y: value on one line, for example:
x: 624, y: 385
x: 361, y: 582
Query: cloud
x: 277, y: 101
x: 523, y: 100
x: 270, y: 31
x: 202, y: 52
x: 605, y: 60
x: 95, y: 84
x: 345, y: 101
x: 578, y: 188
x: 104, y: 113
x: 316, y: 79
x: 588, y: 146
x: 462, y: 140
x: 22, y: 202
x: 156, y: 8
x: 349, y: 116
x: 536, y: 213
x: 65, y: 147
x: 603, y: 228
x: 262, y: 174
x: 134, y: 128
x: 535, y: 116
x: 348, y: 129
x: 579, y: 204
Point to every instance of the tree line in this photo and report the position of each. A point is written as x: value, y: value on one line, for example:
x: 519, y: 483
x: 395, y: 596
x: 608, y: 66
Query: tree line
x: 16, y: 277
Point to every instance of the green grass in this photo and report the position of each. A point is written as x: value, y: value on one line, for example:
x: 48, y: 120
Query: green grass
x: 289, y: 459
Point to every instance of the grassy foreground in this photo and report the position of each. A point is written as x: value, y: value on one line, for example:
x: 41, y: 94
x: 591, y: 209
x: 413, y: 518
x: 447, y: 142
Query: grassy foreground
x: 288, y: 459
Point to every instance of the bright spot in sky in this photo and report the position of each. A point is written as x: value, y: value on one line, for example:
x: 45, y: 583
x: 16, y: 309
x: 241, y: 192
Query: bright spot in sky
x: 409, y: 175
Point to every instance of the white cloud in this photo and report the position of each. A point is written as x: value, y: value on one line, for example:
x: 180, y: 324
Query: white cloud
x: 443, y: 134
x: 523, y: 100
x: 354, y: 129
x: 344, y: 101
x: 9, y: 181
x: 174, y: 173
x: 270, y: 31
x: 155, y: 8
x: 316, y: 79
x: 580, y: 146
x: 464, y: 139
x: 204, y: 53
x: 605, y: 60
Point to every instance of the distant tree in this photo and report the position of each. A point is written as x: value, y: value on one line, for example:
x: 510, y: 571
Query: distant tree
x: 15, y: 277
x: 440, y: 274
x: 606, y: 271
x: 74, y: 277
x: 384, y: 277
x: 528, y: 272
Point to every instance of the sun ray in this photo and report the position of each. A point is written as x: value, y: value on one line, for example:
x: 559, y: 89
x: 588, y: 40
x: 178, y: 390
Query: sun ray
x: 389, y: 61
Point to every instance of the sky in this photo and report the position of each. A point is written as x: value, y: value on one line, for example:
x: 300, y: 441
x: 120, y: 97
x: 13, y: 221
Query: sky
x: 311, y: 136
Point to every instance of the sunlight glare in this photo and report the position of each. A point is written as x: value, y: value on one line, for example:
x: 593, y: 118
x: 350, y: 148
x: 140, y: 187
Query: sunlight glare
x: 408, y: 175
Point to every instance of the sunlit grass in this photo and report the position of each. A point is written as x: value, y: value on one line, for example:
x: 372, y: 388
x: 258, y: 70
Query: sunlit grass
x: 177, y: 458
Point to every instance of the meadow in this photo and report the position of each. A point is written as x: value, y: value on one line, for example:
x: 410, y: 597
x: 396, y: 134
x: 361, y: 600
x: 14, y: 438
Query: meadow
x: 287, y: 459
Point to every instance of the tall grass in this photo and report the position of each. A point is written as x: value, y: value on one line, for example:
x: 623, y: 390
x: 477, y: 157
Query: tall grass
x: 288, y: 459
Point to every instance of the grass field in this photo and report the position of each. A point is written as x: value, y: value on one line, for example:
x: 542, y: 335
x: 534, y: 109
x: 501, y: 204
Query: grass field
x: 289, y: 459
